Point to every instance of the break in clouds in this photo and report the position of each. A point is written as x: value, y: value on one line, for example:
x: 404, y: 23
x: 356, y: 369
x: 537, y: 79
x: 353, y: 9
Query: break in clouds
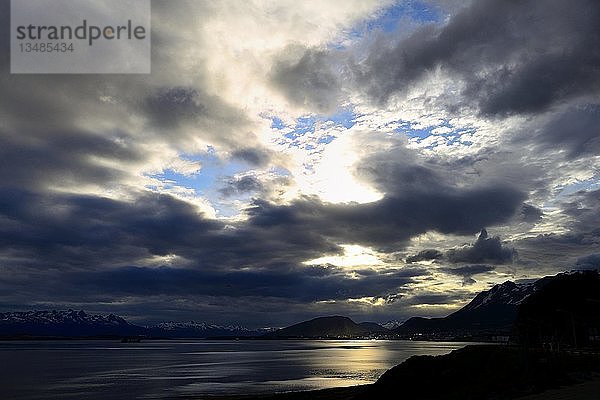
x: 283, y: 160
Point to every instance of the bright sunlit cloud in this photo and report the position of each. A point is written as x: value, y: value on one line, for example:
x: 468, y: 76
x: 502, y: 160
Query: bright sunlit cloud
x: 354, y: 256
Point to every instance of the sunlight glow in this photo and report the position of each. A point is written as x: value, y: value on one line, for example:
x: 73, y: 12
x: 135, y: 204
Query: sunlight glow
x: 354, y: 256
x: 369, y: 301
x: 334, y: 179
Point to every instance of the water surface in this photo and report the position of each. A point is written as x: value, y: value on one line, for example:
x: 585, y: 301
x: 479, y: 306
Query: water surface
x: 110, y: 370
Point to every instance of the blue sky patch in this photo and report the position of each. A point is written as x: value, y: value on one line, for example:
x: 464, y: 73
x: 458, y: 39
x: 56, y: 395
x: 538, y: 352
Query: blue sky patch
x: 207, y: 181
x: 388, y: 20
x: 307, y: 124
x: 417, y: 11
x: 453, y: 136
x: 277, y: 123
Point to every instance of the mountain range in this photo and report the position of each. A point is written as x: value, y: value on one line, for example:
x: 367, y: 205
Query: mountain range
x: 72, y: 323
x: 506, y: 309
x: 68, y: 323
x: 491, y: 313
x: 193, y: 329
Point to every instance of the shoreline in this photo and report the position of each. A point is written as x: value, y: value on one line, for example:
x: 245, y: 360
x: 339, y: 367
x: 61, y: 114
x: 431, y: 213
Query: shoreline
x: 243, y: 338
x: 582, y: 390
x: 472, y: 372
x: 337, y: 393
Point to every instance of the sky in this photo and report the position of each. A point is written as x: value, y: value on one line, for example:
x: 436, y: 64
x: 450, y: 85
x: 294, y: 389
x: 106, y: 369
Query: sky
x: 291, y: 159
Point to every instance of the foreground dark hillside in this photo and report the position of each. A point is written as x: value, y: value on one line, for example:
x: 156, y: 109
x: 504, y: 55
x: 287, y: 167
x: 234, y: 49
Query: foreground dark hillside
x: 471, y: 373
x: 484, y: 372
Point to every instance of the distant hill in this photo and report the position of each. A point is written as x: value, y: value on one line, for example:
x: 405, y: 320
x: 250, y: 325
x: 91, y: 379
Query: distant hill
x: 68, y: 323
x: 374, y: 328
x: 491, y: 312
x: 328, y: 327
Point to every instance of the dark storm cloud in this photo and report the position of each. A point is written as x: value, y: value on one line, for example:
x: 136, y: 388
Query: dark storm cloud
x: 241, y: 185
x: 390, y: 222
x: 71, y: 230
x: 179, y: 111
x: 529, y: 214
x: 588, y: 262
x: 584, y: 209
x: 28, y: 161
x: 253, y: 156
x: 299, y: 284
x: 169, y: 107
x: 467, y: 271
x: 63, y: 229
x: 549, y: 251
x: 469, y: 281
x: 419, y: 197
x: 425, y: 255
x: 284, y: 283
x: 517, y: 56
x: 575, y: 129
x: 485, y: 249
x: 307, y: 78
x: 432, y: 299
x: 97, y: 235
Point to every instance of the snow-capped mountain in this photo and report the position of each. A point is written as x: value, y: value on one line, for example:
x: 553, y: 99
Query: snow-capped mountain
x: 194, y: 329
x: 56, y: 317
x: 505, y: 293
x: 197, y: 329
x: 65, y: 323
x: 392, y: 324
x: 72, y: 323
x: 202, y: 326
x: 491, y: 312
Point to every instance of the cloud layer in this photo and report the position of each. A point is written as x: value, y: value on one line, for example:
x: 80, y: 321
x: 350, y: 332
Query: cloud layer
x: 269, y: 135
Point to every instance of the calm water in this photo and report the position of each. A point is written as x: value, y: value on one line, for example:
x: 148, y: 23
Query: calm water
x: 158, y: 369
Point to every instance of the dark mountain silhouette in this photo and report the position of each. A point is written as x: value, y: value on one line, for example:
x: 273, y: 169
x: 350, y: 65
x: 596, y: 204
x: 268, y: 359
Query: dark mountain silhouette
x: 374, y: 328
x: 491, y: 312
x: 565, y: 311
x: 328, y: 327
x: 556, y: 309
